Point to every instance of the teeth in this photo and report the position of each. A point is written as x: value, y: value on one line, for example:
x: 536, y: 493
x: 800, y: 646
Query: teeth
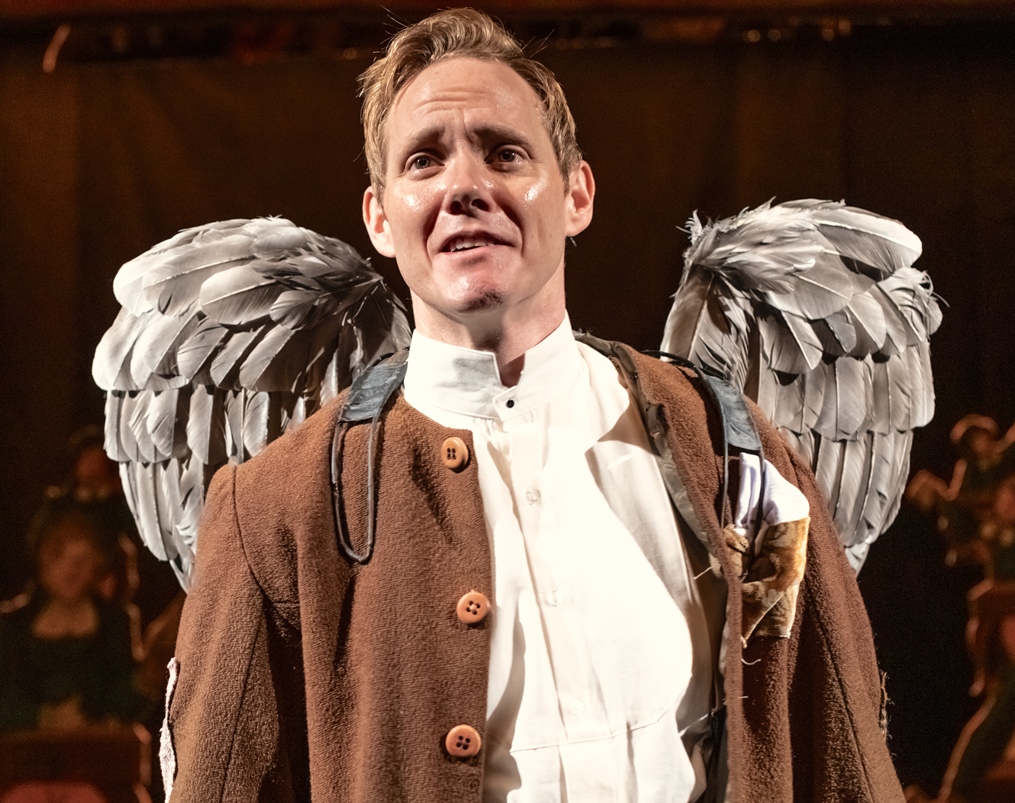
x: 465, y: 243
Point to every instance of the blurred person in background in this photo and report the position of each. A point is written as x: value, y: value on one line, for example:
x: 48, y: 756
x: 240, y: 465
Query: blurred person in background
x: 67, y: 652
x: 964, y: 503
x: 985, y: 738
x: 140, y: 577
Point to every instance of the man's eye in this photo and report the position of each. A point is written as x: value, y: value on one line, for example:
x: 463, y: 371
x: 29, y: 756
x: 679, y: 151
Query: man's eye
x: 507, y: 155
x: 420, y: 162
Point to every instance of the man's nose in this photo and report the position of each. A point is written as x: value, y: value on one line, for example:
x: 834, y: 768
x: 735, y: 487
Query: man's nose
x: 468, y: 186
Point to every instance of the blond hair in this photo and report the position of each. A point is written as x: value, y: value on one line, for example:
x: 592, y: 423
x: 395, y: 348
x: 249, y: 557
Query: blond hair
x: 458, y: 33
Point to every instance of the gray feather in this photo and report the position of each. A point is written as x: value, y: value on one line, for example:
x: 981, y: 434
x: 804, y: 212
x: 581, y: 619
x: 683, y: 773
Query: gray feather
x: 111, y: 434
x: 239, y: 297
x: 163, y: 422
x: 175, y: 284
x: 129, y: 402
x: 144, y: 487
x: 153, y: 359
x: 232, y: 401
x: 229, y: 360
x: 111, y: 364
x: 206, y: 425
x: 195, y: 354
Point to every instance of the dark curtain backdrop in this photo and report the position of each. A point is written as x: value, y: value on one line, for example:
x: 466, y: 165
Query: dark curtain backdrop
x: 100, y: 161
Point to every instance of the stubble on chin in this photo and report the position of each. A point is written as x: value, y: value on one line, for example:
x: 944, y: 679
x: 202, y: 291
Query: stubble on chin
x: 491, y: 299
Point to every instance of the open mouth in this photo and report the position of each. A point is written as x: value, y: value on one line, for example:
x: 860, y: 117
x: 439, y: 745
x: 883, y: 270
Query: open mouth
x: 469, y: 242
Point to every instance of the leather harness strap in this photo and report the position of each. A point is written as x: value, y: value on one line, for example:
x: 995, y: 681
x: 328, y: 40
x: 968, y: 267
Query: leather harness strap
x: 365, y: 401
x: 370, y: 392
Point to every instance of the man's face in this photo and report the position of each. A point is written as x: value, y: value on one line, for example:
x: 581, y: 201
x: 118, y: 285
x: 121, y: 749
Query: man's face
x: 474, y: 209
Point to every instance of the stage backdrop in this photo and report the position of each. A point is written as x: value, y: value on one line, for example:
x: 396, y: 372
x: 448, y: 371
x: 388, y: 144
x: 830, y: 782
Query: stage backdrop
x: 99, y: 161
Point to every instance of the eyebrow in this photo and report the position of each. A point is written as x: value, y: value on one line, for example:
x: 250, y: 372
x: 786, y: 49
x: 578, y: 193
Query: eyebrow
x: 419, y: 139
x: 498, y: 133
x: 488, y: 132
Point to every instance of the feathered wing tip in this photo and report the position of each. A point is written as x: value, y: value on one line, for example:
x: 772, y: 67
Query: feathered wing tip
x: 813, y: 308
x: 230, y: 334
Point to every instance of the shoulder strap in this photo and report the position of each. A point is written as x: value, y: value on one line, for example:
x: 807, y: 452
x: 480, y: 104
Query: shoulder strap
x: 365, y: 401
x: 738, y: 424
x: 738, y: 428
x: 372, y: 389
x: 739, y: 431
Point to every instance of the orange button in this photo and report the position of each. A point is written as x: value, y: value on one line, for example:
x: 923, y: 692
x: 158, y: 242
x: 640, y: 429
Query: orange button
x: 454, y: 453
x: 472, y: 608
x: 463, y: 741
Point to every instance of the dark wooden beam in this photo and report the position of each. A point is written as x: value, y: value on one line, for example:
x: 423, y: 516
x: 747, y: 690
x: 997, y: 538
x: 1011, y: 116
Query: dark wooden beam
x: 62, y: 10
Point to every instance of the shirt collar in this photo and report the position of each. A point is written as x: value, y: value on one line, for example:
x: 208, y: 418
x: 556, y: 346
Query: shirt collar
x: 467, y: 382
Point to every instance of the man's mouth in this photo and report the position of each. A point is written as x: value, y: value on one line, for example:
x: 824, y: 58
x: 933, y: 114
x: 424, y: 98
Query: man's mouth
x: 467, y: 242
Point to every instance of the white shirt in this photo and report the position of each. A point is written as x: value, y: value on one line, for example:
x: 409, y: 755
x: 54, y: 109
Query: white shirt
x: 600, y: 668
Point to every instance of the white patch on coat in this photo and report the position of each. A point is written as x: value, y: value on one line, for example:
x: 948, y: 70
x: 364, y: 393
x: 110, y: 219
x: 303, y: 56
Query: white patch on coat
x: 167, y: 753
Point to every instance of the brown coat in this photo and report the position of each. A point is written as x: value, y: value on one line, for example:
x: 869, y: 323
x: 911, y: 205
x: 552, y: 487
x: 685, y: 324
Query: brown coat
x: 303, y: 676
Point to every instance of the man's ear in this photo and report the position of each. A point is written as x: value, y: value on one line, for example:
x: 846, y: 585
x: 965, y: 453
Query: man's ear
x: 581, y: 193
x: 377, y: 223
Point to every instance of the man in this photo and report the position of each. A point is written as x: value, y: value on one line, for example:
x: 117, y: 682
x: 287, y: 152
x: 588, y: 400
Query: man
x: 496, y: 600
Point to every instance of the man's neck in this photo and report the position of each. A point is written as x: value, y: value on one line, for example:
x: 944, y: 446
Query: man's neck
x: 506, y: 339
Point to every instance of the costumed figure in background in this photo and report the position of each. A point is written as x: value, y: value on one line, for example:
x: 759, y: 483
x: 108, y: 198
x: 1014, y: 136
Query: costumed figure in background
x: 512, y: 562
x: 987, y: 737
x: 137, y: 576
x: 965, y: 505
x: 66, y: 653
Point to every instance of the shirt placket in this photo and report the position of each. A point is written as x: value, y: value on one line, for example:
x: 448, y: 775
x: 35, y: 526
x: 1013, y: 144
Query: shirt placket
x: 585, y: 756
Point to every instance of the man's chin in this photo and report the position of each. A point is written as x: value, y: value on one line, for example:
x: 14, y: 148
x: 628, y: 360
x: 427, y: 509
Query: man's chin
x: 482, y: 302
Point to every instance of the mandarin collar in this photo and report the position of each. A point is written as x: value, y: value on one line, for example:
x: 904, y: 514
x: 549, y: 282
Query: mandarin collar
x: 467, y: 382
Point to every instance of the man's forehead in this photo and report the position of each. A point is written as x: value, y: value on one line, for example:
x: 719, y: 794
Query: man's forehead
x: 467, y: 84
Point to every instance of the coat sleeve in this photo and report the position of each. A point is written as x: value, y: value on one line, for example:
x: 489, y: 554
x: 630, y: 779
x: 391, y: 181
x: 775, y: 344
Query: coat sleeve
x: 220, y: 739
x: 835, y: 698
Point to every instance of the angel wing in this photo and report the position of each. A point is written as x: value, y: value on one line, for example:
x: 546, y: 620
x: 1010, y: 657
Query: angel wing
x: 814, y: 310
x: 230, y: 334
